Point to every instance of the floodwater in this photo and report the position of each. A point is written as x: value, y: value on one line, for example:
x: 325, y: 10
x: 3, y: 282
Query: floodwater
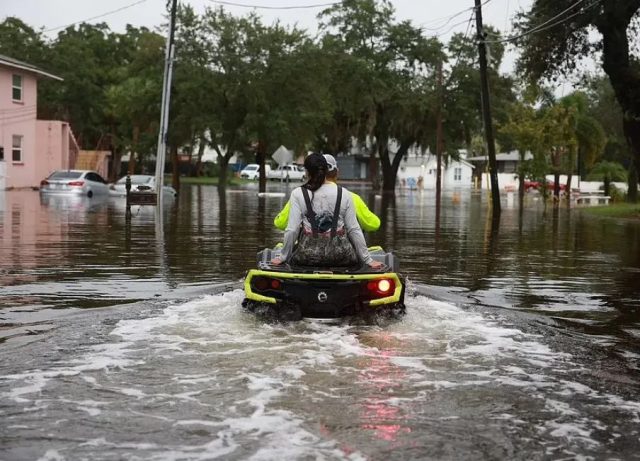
x: 127, y: 340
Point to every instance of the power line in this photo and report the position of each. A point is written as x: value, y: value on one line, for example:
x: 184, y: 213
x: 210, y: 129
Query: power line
x: 545, y: 25
x: 262, y: 7
x: 448, y: 19
x: 453, y: 26
x: 18, y: 109
x: 453, y: 68
x: 96, y: 17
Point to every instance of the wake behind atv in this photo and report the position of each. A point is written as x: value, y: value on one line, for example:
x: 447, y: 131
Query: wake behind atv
x: 293, y: 292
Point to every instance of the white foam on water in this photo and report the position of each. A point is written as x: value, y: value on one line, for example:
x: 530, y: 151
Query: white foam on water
x: 52, y: 455
x: 505, y: 356
x: 437, y: 348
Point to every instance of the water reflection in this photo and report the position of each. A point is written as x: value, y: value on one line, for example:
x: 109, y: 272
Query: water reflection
x: 381, y: 380
x: 553, y: 262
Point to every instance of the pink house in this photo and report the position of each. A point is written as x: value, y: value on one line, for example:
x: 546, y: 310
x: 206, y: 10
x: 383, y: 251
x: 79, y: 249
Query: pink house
x: 30, y: 149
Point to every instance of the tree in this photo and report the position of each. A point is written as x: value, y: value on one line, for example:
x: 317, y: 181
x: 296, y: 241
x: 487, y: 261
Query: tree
x: 22, y: 42
x: 555, y: 34
x: 396, y: 65
x: 588, y: 137
x: 606, y: 172
x: 525, y: 130
x: 132, y: 101
x: 463, y: 102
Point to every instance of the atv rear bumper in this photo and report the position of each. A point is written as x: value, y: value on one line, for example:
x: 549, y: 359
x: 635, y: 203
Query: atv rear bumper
x: 324, y: 295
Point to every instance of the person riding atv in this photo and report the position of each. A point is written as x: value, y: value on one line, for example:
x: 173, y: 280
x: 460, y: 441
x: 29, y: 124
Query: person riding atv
x: 324, y: 268
x: 366, y: 218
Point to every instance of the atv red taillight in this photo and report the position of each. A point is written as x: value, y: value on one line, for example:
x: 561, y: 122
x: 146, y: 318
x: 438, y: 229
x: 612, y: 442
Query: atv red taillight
x: 381, y: 287
x: 76, y: 183
x: 266, y: 283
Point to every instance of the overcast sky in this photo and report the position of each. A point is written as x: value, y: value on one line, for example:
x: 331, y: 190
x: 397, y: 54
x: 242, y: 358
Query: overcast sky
x: 434, y: 15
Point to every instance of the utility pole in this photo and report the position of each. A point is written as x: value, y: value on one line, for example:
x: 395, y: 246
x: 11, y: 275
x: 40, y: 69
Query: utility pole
x: 164, y: 108
x: 486, y: 112
x: 439, y: 138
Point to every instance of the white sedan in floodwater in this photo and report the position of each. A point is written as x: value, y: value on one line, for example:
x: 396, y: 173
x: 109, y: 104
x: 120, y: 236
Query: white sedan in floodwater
x: 139, y: 183
x: 74, y: 182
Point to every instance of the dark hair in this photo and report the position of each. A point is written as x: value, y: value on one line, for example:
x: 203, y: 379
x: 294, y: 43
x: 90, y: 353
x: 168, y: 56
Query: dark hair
x: 316, y: 167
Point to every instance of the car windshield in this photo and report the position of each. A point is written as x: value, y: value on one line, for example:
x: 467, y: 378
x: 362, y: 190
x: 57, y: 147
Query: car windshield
x: 251, y: 167
x: 65, y: 175
x: 137, y: 179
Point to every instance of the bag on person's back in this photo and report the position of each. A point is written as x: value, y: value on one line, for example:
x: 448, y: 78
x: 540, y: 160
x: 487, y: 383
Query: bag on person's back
x: 326, y: 245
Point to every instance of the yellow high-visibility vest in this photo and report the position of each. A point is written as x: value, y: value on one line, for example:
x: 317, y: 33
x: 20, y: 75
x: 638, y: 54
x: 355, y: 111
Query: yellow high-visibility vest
x: 367, y: 219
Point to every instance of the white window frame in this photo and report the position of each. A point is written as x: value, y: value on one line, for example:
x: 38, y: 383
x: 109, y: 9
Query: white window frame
x: 457, y: 174
x: 19, y: 87
x: 17, y: 148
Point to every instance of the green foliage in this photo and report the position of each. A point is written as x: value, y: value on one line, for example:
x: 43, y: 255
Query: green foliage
x: 555, y: 36
x: 605, y: 169
x: 240, y: 85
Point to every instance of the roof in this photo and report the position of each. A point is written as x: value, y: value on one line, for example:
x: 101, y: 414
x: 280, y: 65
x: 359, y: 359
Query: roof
x: 14, y: 63
x: 513, y: 156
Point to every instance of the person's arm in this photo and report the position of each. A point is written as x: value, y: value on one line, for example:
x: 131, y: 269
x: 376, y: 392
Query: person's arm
x: 367, y: 219
x: 293, y: 225
x: 282, y: 218
x: 355, y: 233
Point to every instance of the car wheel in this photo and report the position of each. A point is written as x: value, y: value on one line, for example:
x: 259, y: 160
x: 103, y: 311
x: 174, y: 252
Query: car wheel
x: 90, y: 194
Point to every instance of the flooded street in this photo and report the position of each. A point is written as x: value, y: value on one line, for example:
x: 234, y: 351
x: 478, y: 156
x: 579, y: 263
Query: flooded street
x: 128, y: 341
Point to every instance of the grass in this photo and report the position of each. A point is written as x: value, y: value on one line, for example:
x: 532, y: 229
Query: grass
x: 617, y: 210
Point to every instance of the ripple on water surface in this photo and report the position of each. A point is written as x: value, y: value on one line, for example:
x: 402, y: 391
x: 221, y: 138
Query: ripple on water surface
x: 205, y: 380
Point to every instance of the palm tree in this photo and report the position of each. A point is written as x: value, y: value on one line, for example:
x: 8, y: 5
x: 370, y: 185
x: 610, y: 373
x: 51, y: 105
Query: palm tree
x: 606, y: 172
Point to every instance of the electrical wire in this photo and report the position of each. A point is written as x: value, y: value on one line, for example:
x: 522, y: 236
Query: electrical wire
x: 96, y: 17
x: 18, y: 109
x: 262, y: 7
x: 453, y: 26
x: 545, y: 25
x: 20, y: 115
x: 453, y: 68
x: 448, y: 19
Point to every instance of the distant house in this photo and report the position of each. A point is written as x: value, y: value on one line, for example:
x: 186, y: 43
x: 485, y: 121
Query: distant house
x: 29, y: 148
x: 507, y: 163
x: 419, y: 171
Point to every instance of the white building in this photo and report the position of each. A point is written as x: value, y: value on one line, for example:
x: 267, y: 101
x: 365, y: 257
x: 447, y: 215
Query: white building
x: 420, y: 171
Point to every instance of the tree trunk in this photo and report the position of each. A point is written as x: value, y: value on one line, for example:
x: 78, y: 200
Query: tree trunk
x: 568, y: 189
x: 390, y: 169
x: 261, y: 154
x: 521, y: 190
x: 223, y: 164
x: 201, y: 146
x: 175, y: 163
x: 131, y: 168
x: 632, y: 194
x: 624, y: 76
x: 607, y: 185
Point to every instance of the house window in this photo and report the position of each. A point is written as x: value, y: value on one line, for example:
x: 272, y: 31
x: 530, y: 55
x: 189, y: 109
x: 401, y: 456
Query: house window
x: 16, y: 151
x: 1, y: 154
x: 457, y: 174
x: 16, y: 88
